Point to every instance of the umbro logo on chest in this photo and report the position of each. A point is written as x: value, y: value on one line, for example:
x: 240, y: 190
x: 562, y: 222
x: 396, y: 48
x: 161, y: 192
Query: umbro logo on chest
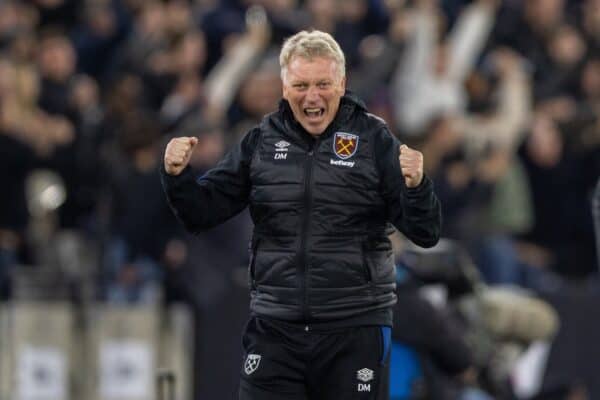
x: 281, y: 149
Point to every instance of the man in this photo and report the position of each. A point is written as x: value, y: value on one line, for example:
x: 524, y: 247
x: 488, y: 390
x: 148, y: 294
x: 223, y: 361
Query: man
x: 323, y: 179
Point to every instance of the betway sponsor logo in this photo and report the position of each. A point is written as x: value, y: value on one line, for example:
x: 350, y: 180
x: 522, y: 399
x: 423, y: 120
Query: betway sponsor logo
x: 342, y: 163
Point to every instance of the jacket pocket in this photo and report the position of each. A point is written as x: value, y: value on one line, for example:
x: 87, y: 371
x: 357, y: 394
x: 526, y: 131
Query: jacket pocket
x: 378, y: 262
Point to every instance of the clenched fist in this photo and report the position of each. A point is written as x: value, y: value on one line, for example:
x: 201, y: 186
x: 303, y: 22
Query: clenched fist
x: 178, y: 153
x: 411, y: 164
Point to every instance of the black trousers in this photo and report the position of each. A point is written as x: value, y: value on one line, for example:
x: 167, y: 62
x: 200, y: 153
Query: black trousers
x: 287, y: 362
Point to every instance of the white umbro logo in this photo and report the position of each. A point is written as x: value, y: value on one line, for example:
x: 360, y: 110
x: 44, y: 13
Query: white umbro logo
x: 251, y: 364
x: 365, y: 375
x: 282, y: 145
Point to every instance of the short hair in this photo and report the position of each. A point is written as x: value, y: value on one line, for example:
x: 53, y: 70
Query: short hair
x: 312, y: 44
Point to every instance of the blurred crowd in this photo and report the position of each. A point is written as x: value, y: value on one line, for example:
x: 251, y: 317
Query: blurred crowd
x: 502, y: 97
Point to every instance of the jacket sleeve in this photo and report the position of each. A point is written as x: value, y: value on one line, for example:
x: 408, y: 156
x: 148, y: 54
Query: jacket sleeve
x: 415, y: 212
x: 203, y: 202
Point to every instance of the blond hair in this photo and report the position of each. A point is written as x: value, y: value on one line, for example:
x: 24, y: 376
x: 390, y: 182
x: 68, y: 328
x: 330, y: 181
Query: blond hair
x: 312, y: 44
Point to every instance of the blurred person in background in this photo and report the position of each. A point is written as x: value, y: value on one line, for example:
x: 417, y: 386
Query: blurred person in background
x: 526, y: 26
x: 559, y: 77
x: 323, y: 179
x: 590, y: 23
x: 152, y: 52
x: 258, y: 95
x: 96, y: 37
x: 208, y: 272
x: 473, y: 158
x: 75, y: 98
x: 559, y: 141
x: 30, y: 137
x: 560, y: 241
x: 141, y: 224
x: 187, y: 56
x: 429, y: 79
x: 17, y: 159
x: 490, y: 140
x: 57, y: 12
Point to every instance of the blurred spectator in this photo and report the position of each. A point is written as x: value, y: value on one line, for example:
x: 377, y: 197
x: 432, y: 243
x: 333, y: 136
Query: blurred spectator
x: 57, y: 12
x: 221, y: 23
x: 57, y: 62
x: 526, y: 27
x: 559, y: 240
x: 209, y: 273
x: 590, y: 14
x: 357, y: 19
x: 491, y: 139
x: 65, y: 94
x: 16, y: 17
x: 186, y: 97
x: 28, y: 136
x: 88, y: 88
x: 558, y: 79
x: 429, y: 80
x: 259, y: 94
x: 483, y: 187
x: 322, y: 14
x: 101, y: 29
x: 141, y: 224
x: 16, y: 161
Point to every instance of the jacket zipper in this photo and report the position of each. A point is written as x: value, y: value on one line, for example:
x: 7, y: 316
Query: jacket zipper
x: 304, y: 264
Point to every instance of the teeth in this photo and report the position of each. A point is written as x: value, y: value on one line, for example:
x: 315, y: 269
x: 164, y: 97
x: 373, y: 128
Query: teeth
x: 313, y: 111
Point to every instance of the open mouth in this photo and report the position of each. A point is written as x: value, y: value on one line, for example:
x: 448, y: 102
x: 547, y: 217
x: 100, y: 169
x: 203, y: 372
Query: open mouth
x: 315, y: 112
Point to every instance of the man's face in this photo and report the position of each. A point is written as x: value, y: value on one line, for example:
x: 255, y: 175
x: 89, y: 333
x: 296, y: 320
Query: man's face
x: 313, y: 88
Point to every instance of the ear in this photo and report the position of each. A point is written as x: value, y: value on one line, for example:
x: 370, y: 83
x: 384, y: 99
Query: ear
x: 284, y: 86
x: 343, y: 85
x: 285, y: 90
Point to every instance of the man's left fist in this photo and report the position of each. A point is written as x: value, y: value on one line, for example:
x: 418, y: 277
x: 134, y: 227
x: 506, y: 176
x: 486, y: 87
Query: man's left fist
x: 411, y: 164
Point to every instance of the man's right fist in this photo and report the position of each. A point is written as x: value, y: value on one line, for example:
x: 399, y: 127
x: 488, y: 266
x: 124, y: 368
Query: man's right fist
x: 178, y: 153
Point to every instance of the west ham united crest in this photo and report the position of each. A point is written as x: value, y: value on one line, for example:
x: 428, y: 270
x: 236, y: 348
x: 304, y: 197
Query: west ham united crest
x: 345, y: 144
x: 251, y: 364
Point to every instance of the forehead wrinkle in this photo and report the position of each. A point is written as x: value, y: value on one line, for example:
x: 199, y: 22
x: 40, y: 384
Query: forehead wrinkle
x: 325, y: 71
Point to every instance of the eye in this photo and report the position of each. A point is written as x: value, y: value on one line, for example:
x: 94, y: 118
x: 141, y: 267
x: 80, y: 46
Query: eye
x: 300, y: 86
x: 324, y: 85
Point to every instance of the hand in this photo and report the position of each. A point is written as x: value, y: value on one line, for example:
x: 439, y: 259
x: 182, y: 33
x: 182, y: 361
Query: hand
x: 411, y: 164
x: 178, y: 153
x: 505, y: 61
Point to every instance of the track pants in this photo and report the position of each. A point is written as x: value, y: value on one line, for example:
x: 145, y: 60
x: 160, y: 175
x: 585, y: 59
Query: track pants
x: 285, y: 361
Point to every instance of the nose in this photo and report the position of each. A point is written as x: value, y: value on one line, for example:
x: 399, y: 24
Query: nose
x: 313, y: 93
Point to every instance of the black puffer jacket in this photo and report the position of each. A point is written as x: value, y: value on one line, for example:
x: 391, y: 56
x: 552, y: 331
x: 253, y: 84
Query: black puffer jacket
x: 321, y: 208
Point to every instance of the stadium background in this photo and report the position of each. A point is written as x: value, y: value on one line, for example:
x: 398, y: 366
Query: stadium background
x: 99, y: 284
